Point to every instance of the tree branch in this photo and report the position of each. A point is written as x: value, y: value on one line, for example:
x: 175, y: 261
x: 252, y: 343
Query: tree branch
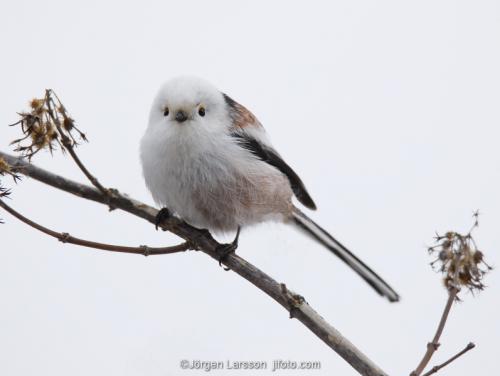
x: 203, y: 241
x: 67, y: 238
x: 434, y: 369
x: 434, y: 345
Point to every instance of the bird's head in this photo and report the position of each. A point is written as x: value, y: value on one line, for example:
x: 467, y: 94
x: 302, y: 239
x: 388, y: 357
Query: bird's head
x: 188, y: 103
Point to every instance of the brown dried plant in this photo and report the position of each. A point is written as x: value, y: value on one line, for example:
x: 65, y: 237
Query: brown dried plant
x: 46, y: 126
x: 460, y: 260
x: 463, y: 265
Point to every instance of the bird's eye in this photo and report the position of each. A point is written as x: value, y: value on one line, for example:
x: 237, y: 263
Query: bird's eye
x: 201, y: 111
x: 165, y: 111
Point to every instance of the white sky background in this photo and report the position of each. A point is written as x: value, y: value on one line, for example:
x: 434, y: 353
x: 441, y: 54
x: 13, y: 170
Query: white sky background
x: 389, y: 112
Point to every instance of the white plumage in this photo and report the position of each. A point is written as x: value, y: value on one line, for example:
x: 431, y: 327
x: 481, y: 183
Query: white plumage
x: 207, y: 158
x: 196, y: 168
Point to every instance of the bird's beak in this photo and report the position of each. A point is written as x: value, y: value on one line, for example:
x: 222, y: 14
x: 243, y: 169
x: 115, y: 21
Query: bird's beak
x: 181, y: 116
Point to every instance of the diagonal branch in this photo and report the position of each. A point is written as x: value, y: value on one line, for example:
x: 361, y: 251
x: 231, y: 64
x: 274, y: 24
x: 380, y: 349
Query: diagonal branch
x: 67, y: 238
x: 434, y: 369
x: 203, y: 241
x: 434, y: 345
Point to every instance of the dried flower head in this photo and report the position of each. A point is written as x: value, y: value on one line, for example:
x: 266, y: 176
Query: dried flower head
x: 459, y: 259
x: 46, y: 126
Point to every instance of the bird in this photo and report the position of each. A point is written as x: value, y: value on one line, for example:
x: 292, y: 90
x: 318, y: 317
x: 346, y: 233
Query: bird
x: 208, y: 160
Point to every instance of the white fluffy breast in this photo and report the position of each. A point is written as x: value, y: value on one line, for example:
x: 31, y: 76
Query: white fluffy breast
x: 209, y: 180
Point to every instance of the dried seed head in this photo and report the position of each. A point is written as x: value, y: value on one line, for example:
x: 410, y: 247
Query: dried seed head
x: 478, y: 257
x: 68, y: 124
x: 37, y: 106
x: 459, y: 260
x: 46, y: 126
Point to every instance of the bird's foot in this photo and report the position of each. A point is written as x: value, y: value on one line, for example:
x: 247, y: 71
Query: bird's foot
x: 224, y: 250
x: 162, y: 215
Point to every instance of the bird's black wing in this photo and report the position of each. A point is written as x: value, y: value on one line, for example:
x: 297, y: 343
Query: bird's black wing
x: 268, y: 155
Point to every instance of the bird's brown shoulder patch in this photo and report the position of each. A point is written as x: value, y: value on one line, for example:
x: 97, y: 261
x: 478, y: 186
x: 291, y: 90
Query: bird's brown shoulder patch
x: 240, y: 115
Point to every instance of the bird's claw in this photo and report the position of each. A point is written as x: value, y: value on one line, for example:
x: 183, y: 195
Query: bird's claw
x: 162, y: 215
x: 225, y: 249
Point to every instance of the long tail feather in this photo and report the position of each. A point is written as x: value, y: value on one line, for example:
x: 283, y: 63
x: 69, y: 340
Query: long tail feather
x: 306, y: 224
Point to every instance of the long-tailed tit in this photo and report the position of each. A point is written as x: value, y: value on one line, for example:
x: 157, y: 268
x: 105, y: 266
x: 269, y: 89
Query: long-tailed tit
x: 208, y: 159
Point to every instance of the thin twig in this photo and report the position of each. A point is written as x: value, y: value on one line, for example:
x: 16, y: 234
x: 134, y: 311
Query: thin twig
x: 434, y: 369
x: 68, y: 144
x: 434, y: 344
x: 202, y: 240
x: 67, y: 238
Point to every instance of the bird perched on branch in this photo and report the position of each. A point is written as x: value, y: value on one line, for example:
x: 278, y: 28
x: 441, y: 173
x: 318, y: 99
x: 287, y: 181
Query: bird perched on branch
x: 208, y: 159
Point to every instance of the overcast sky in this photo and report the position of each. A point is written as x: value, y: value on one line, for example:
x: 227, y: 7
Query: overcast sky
x: 388, y: 110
